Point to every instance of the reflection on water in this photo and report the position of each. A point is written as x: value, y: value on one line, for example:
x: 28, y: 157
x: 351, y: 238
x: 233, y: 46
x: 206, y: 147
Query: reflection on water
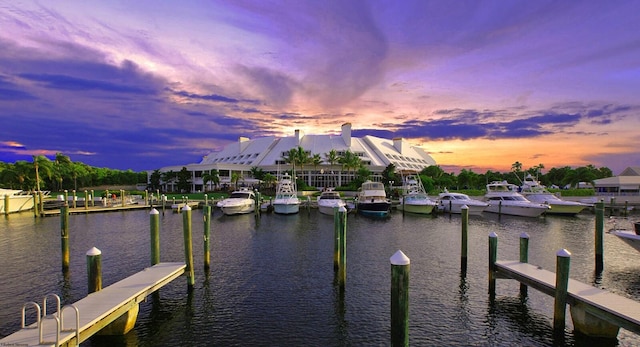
x: 272, y: 281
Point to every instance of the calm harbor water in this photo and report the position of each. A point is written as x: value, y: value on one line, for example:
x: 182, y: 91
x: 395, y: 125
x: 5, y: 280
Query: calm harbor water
x: 271, y: 282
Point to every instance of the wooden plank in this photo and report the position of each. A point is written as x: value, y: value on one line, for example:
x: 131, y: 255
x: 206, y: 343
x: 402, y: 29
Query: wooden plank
x: 613, y: 308
x: 101, y: 308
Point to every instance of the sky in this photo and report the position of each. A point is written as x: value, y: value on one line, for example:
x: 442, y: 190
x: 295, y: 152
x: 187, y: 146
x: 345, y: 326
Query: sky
x: 479, y: 85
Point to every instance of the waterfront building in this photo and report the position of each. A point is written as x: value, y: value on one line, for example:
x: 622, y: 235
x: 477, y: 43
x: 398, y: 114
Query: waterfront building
x: 626, y: 184
x: 269, y: 154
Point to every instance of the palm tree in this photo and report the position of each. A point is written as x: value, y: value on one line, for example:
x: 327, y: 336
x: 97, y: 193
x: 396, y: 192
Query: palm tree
x: 316, y: 160
x: 350, y: 161
x: 332, y: 158
x: 235, y: 177
x: 211, y: 177
x: 40, y: 162
x: 61, y: 163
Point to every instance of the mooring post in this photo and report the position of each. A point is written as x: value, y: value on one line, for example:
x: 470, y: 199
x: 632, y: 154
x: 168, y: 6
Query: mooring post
x: 6, y: 205
x: 336, y: 237
x: 524, y: 258
x: 86, y: 199
x: 450, y: 207
x: 40, y: 201
x: 563, y: 259
x: 122, y: 196
x: 64, y: 236
x: 493, y: 257
x: 207, y: 236
x: 154, y: 223
x: 94, y: 270
x: 188, y: 247
x: 35, y: 205
x: 164, y: 200
x: 464, y: 210
x: 342, y: 270
x: 73, y: 193
x: 93, y: 198
x: 206, y: 200
x: 146, y: 198
x: 400, y: 266
x: 66, y: 196
x: 500, y: 208
x: 626, y: 208
x: 599, y: 237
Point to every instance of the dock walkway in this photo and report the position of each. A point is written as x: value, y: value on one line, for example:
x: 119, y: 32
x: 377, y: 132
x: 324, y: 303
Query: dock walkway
x: 98, y: 309
x: 615, y: 309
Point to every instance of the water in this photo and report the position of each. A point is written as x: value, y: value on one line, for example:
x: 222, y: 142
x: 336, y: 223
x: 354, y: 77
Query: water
x: 272, y: 283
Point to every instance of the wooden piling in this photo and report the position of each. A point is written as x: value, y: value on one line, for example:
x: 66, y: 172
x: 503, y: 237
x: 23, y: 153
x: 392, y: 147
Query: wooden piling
x: 464, y: 210
x: 493, y: 257
x: 64, y: 236
x: 35, y: 205
x: 86, y: 199
x: 94, y: 270
x: 524, y: 258
x: 400, y: 266
x: 188, y: 246
x: 342, y: 270
x: 207, y: 236
x: 40, y: 201
x: 73, y: 198
x: 563, y: 259
x: 599, y: 236
x: 122, y: 197
x: 154, y: 222
x: 66, y: 196
x: 6, y: 205
x: 146, y: 198
x: 93, y: 198
x: 336, y: 237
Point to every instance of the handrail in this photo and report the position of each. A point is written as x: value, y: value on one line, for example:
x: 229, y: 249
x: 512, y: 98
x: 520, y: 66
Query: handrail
x: 57, y: 343
x: 24, y: 307
x: 44, y: 303
x: 77, y: 329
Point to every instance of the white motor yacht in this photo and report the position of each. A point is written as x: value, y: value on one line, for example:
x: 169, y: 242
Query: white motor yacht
x: 239, y: 202
x: 503, y: 198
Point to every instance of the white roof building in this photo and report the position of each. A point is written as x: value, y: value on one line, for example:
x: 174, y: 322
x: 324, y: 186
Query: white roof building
x: 268, y: 153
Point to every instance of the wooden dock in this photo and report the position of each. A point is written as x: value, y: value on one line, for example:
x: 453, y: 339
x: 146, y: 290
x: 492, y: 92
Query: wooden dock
x: 614, y: 309
x: 96, y: 209
x: 97, y: 310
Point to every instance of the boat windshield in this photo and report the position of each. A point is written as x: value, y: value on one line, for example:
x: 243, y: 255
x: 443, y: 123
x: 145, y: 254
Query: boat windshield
x: 240, y: 196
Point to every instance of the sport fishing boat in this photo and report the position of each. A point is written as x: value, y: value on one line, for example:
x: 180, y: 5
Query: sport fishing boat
x: 536, y: 192
x: 503, y: 198
x: 286, y: 200
x: 631, y: 237
x: 18, y: 201
x: 414, y: 198
x: 239, y: 202
x: 452, y: 203
x: 328, y: 201
x: 372, y: 200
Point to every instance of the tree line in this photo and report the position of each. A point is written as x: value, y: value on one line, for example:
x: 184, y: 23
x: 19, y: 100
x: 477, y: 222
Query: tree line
x: 61, y: 174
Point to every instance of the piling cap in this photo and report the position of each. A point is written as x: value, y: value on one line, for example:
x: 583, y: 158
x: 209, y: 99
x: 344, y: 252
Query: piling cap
x: 154, y: 211
x: 493, y: 234
x: 399, y: 258
x: 563, y: 253
x: 94, y: 251
x: 524, y: 235
x: 464, y: 207
x: 342, y: 209
x: 186, y: 208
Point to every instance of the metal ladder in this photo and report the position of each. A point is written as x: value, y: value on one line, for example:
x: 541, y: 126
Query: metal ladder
x: 58, y: 316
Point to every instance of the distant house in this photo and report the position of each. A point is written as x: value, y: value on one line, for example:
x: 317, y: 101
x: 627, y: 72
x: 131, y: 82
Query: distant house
x: 625, y: 184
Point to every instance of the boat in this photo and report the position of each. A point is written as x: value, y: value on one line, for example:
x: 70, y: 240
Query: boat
x: 18, y: 201
x: 414, y: 198
x: 631, y: 237
x: 286, y: 200
x: 452, y: 203
x: 372, y: 200
x: 536, y: 192
x: 328, y: 201
x: 503, y: 198
x: 239, y: 202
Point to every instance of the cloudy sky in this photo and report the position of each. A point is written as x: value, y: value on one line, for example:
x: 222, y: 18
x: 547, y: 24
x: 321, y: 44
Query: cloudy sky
x: 478, y: 84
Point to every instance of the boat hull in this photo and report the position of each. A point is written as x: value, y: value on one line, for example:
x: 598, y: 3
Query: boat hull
x: 17, y: 204
x: 457, y: 208
x: 417, y: 208
x: 628, y: 236
x: 329, y: 209
x: 239, y: 209
x: 516, y: 210
x: 283, y: 208
x: 374, y: 209
x: 565, y: 209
